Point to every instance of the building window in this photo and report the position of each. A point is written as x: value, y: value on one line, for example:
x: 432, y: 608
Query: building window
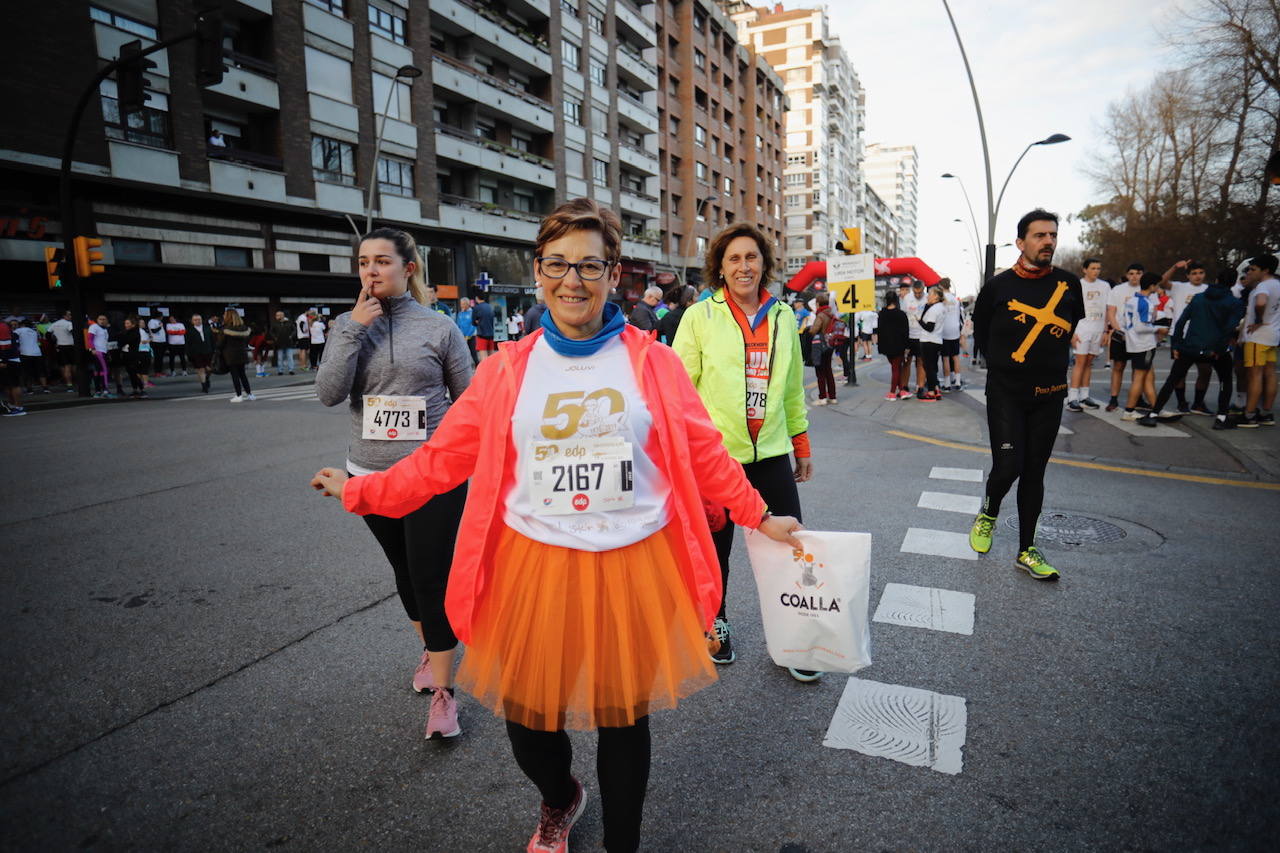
x: 136, y: 251
x: 525, y: 201
x: 600, y: 171
x: 600, y: 121
x: 728, y: 184
x: 675, y: 166
x: 700, y: 171
x: 395, y: 176
x: 400, y: 98
x: 488, y: 192
x: 569, y: 7
x: 227, y: 256
x: 328, y: 75
x: 522, y: 141
x: 573, y: 163
x: 147, y: 126
x: 333, y: 160
x: 120, y: 22
x: 486, y: 128
x: 573, y: 111
x: 699, y: 20
x: 388, y: 20
x: 596, y: 23
x: 793, y: 201
x: 702, y: 245
x: 700, y: 135
x: 674, y: 124
x: 699, y: 59
x: 759, y: 142
x: 599, y: 73
x: 571, y: 53
x: 334, y: 6
x: 797, y: 179
x: 797, y: 159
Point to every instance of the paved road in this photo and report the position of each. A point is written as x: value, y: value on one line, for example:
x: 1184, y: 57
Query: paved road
x: 203, y: 654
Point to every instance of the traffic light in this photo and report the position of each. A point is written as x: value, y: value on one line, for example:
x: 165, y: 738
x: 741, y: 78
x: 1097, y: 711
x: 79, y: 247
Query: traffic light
x: 852, y: 242
x: 88, y: 259
x: 209, y: 67
x: 53, y: 259
x: 131, y: 86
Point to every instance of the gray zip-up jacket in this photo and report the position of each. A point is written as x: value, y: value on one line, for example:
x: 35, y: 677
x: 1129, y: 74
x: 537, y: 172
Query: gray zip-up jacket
x: 409, y: 351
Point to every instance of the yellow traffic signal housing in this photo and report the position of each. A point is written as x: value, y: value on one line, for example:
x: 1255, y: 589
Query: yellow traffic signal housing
x: 88, y: 259
x: 53, y: 259
x: 852, y: 242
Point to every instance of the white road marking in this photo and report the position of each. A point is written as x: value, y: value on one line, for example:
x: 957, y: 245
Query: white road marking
x: 1132, y: 427
x: 937, y: 543
x: 950, y: 502
x: 980, y: 394
x: 926, y: 607
x: 915, y: 727
x: 967, y: 475
x: 289, y: 393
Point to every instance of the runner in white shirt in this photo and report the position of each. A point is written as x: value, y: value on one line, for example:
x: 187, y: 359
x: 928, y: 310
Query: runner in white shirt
x: 99, y: 343
x: 1086, y: 343
x: 951, y: 321
x: 63, y: 340
x: 302, y: 329
x: 155, y: 328
x: 316, y: 328
x: 1261, y: 340
x: 1113, y: 339
x: 32, y: 357
x: 1180, y: 295
x: 1140, y: 337
x: 866, y: 321
x: 912, y: 304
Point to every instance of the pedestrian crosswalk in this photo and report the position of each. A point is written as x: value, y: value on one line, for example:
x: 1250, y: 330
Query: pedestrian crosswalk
x: 270, y: 395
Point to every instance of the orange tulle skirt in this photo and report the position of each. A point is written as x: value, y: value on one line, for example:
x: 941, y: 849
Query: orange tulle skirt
x: 567, y: 639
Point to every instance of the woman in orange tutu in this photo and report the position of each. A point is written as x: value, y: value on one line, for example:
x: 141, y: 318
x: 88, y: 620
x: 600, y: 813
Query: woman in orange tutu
x: 584, y: 577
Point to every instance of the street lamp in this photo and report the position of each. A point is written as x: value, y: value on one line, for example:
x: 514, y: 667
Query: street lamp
x: 993, y: 207
x: 407, y: 72
x: 973, y: 219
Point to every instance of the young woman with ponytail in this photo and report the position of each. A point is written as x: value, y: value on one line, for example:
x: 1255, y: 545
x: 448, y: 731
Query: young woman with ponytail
x: 401, y: 365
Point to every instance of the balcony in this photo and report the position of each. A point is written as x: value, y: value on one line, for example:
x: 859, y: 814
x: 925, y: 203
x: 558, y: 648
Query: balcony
x: 511, y: 41
x: 636, y: 69
x: 638, y: 249
x: 132, y: 162
x: 462, y: 147
x: 247, y: 158
x: 632, y: 22
x: 635, y: 112
x: 469, y: 216
x: 641, y: 203
x: 333, y: 112
x: 327, y: 25
x: 244, y: 181
x: 250, y: 85
x: 638, y: 158
x: 455, y: 76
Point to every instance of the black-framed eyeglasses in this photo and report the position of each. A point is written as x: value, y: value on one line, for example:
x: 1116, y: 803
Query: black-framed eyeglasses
x: 591, y: 269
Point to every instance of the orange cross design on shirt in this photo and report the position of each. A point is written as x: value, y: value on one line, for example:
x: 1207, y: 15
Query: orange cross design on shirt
x: 1045, y: 317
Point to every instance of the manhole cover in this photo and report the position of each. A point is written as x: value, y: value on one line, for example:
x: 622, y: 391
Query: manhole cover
x: 1073, y: 529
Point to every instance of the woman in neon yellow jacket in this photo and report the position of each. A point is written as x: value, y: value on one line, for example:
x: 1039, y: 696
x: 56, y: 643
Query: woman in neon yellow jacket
x: 742, y: 352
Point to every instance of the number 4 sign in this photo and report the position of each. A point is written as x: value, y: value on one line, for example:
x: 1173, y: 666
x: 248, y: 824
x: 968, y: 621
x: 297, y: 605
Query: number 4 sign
x: 852, y: 283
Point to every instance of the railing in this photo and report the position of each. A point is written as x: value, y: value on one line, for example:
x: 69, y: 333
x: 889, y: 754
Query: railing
x: 491, y: 80
x: 247, y: 158
x: 489, y: 207
x: 510, y: 26
x: 459, y: 133
x: 252, y: 63
x: 641, y: 195
x: 635, y: 55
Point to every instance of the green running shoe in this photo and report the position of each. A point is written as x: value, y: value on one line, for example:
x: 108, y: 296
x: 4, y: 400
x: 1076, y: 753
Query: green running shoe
x: 1033, y: 563
x: 980, y: 534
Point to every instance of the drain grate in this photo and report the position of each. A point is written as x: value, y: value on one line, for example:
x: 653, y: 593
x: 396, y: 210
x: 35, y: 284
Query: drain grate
x: 1073, y: 529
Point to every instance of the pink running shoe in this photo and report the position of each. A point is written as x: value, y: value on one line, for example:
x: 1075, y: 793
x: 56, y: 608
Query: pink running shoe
x: 552, y: 834
x: 904, y: 394
x: 442, y: 721
x: 891, y: 396
x: 422, y: 677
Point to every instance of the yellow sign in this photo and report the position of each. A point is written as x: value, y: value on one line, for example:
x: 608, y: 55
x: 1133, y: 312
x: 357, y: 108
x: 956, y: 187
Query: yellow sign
x: 851, y: 282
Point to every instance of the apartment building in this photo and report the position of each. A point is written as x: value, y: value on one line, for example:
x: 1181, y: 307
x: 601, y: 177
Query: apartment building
x: 721, y: 109
x: 470, y: 118
x: 893, y: 172
x: 823, y: 182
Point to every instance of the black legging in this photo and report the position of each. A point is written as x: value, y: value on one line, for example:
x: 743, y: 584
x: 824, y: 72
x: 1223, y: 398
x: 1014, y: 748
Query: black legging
x: 775, y: 480
x: 420, y: 550
x: 1022, y: 436
x: 157, y: 356
x: 316, y: 354
x: 622, y: 765
x: 929, y: 353
x: 239, y: 379
x: 136, y: 364
x: 178, y: 351
x: 1221, y: 363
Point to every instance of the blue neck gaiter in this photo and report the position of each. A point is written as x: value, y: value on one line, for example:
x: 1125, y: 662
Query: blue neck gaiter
x: 613, y: 326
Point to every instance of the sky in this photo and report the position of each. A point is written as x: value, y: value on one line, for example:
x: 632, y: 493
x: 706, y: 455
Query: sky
x: 1041, y: 67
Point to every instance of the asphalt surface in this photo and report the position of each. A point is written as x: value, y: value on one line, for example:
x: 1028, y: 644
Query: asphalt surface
x: 201, y: 653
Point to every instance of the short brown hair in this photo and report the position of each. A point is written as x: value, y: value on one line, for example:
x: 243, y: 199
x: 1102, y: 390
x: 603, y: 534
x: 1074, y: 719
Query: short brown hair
x: 582, y: 214
x: 719, y: 245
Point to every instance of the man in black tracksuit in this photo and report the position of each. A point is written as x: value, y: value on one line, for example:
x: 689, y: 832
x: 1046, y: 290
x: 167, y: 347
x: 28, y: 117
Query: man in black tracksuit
x: 1023, y: 321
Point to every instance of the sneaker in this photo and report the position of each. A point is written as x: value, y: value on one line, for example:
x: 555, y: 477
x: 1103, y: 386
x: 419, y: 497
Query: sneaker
x: 552, y: 834
x: 1033, y: 563
x: 250, y: 397
x: 1184, y: 409
x: 1201, y: 409
x: 1112, y: 405
x: 1130, y: 415
x: 805, y: 675
x: 442, y: 719
x: 1170, y: 416
x: 14, y: 411
x: 1247, y: 422
x: 1090, y: 403
x: 891, y: 396
x: 1223, y: 422
x: 1147, y: 420
x: 422, y: 677
x: 904, y: 394
x: 725, y: 654
x: 1266, y: 419
x: 1073, y: 406
x: 237, y: 399
x: 291, y: 373
x: 984, y: 527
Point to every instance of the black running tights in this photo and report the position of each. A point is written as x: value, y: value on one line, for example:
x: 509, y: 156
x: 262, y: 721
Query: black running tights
x: 775, y: 480
x: 929, y: 352
x: 238, y: 379
x: 622, y: 765
x: 420, y: 550
x: 1022, y: 436
x: 1178, y: 374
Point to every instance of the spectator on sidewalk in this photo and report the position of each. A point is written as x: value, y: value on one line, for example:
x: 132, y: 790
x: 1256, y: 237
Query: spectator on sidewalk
x: 135, y: 351
x: 533, y: 316
x: 643, y: 316
x: 302, y: 338
x: 62, y: 330
x: 10, y: 370
x: 482, y: 316
x: 233, y: 346
x: 282, y: 337
x: 175, y: 332
x: 99, y: 341
x: 32, y: 358
x: 318, y: 327
x: 683, y: 296
x: 200, y: 345
x: 892, y: 340
x: 155, y: 328
x: 466, y: 325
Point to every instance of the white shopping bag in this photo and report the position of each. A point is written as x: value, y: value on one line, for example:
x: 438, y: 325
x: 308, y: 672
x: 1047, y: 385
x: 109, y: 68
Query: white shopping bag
x: 814, y: 602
